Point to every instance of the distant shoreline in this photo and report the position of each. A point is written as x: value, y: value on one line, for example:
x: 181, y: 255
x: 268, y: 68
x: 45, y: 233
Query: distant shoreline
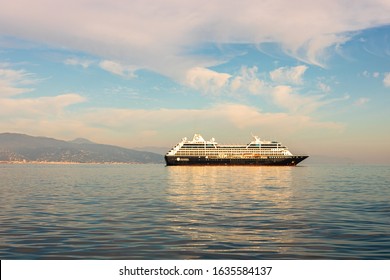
x: 25, y: 149
x: 65, y: 162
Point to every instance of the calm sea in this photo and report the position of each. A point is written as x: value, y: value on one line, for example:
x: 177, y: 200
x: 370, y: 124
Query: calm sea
x: 158, y: 212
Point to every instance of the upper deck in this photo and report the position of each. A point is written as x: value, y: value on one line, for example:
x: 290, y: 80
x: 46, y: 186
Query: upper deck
x: 200, y: 147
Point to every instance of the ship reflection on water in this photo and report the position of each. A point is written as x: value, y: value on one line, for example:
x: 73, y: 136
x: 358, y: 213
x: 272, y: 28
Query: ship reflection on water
x: 234, y: 210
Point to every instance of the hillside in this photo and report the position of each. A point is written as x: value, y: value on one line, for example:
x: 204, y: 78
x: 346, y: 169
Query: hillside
x: 25, y: 148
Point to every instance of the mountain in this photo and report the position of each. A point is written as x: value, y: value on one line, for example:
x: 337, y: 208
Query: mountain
x: 81, y: 141
x: 21, y: 147
x: 157, y: 150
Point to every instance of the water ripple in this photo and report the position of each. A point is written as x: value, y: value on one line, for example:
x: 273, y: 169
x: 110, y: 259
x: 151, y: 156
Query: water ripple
x: 221, y: 212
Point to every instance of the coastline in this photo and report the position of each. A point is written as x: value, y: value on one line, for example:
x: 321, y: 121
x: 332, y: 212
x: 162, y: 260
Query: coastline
x: 65, y: 162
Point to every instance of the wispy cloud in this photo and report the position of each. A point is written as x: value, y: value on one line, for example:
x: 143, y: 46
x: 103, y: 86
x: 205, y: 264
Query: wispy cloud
x: 368, y: 74
x: 316, y: 49
x: 289, y: 75
x: 206, y: 80
x: 53, y: 115
x: 286, y: 97
x: 127, y: 127
x: 282, y: 87
x: 158, y: 35
x: 248, y: 79
x: 37, y: 107
x: 324, y: 87
x: 39, y: 114
x: 85, y: 63
x: 209, y: 81
x: 361, y: 101
x: 386, y: 80
x: 13, y: 82
x: 118, y: 69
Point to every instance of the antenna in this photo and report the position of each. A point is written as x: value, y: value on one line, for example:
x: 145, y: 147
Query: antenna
x: 257, y: 138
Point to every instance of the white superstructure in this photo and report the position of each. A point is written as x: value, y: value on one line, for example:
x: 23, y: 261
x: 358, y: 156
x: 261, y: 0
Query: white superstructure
x: 200, y: 147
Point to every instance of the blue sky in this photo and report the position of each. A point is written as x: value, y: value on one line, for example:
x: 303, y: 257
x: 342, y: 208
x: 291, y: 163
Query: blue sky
x: 314, y: 75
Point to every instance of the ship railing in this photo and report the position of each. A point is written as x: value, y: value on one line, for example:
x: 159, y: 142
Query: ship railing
x: 175, y: 149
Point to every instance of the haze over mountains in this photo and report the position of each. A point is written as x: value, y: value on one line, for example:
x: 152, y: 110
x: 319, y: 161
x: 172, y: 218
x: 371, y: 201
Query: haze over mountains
x: 16, y: 147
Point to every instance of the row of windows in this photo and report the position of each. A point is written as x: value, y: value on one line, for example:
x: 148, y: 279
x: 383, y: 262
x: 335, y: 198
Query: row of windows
x: 243, y: 150
x: 198, y: 145
x: 201, y: 153
x: 232, y: 148
x: 228, y: 147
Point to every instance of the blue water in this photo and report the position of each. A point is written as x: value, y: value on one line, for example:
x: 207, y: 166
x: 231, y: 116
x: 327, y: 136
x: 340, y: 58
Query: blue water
x: 212, y: 212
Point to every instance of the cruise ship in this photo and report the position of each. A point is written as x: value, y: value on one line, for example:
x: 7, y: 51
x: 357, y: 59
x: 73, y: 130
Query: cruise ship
x: 258, y: 152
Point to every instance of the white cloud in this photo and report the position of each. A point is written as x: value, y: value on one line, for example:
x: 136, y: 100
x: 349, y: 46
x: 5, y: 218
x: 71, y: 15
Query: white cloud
x: 361, y: 101
x: 243, y: 117
x: 217, y: 120
x: 315, y: 50
x: 369, y: 75
x: 366, y: 74
x: 324, y: 87
x: 386, y: 80
x: 206, y: 80
x: 288, y: 97
x: 289, y: 75
x: 36, y: 107
x: 250, y: 80
x: 281, y: 90
x: 13, y: 82
x: 127, y: 127
x: 209, y: 81
x: 285, y: 97
x: 236, y: 83
x: 165, y: 36
x: 118, y: 69
x: 85, y: 63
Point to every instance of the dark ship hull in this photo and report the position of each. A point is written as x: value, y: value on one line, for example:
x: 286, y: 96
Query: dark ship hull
x: 204, y: 160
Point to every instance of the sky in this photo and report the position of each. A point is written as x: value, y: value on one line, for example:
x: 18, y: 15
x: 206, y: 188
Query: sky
x: 314, y: 75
